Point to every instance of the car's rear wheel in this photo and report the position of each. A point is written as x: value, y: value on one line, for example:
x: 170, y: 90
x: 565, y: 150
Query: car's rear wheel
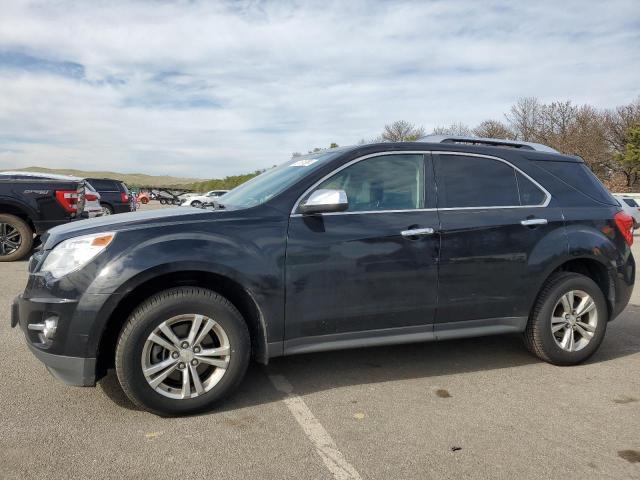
x: 182, y: 350
x: 106, y: 209
x: 16, y: 238
x: 144, y: 200
x: 176, y: 201
x: 196, y: 203
x: 568, y: 321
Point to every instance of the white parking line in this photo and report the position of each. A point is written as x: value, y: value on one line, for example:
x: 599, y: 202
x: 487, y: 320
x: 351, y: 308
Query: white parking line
x: 313, y: 429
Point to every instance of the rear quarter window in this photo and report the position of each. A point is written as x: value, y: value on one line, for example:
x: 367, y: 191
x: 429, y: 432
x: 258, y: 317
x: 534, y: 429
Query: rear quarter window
x: 630, y: 201
x: 580, y: 177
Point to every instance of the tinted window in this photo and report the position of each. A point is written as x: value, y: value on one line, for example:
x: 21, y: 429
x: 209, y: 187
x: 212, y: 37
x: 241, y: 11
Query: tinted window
x: 387, y: 182
x: 104, y: 185
x: 530, y: 194
x: 630, y: 201
x: 578, y: 176
x: 475, y: 182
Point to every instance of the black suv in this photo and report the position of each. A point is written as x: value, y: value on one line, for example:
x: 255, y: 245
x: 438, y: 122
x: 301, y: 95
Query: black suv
x: 114, y: 195
x: 363, y: 246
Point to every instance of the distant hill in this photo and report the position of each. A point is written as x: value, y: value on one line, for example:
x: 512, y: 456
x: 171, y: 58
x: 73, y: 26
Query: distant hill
x: 131, y: 179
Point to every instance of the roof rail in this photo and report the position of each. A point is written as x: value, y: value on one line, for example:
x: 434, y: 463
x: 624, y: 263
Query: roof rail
x: 494, y: 142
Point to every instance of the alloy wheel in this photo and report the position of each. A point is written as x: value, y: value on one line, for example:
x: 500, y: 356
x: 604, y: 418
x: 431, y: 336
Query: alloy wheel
x: 185, y: 356
x: 10, y: 239
x: 574, y: 320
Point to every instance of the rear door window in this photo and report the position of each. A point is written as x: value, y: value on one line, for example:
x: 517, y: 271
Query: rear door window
x: 630, y: 201
x: 474, y: 182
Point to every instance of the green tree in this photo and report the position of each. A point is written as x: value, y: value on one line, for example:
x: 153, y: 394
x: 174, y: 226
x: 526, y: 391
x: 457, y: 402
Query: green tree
x: 630, y: 159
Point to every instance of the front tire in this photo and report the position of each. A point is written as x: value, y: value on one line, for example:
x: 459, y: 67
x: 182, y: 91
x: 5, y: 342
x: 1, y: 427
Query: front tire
x: 182, y: 351
x: 16, y: 238
x: 196, y: 203
x: 568, y: 321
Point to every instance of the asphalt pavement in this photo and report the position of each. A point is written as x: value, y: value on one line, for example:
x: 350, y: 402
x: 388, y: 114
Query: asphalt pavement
x: 476, y: 408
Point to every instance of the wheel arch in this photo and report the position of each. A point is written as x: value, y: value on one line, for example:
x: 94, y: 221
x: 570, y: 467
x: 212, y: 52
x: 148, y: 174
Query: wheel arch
x: 229, y: 288
x: 593, y: 267
x: 21, y: 211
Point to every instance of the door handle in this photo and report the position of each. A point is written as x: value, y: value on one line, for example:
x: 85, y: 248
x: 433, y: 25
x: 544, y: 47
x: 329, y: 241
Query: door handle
x: 417, y: 232
x: 531, y: 222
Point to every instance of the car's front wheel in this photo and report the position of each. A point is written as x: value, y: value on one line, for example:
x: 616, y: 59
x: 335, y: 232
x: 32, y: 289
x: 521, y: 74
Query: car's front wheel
x: 16, y: 238
x: 568, y: 321
x: 182, y: 350
x: 196, y: 203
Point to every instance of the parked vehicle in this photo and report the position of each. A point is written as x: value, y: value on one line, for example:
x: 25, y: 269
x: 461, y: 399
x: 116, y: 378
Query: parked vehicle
x: 30, y: 206
x: 630, y: 207
x: 143, y: 198
x: 361, y: 246
x: 91, y: 206
x: 199, y: 200
x: 114, y: 195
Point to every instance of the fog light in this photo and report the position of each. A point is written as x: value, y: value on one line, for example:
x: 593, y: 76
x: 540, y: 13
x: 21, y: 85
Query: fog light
x: 46, y: 330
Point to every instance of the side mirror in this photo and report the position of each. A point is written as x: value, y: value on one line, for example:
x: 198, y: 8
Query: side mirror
x: 325, y: 201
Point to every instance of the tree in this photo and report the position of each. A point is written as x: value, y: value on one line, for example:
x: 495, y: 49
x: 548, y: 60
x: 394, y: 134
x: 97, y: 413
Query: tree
x: 493, y: 129
x: 334, y: 145
x: 524, y: 119
x: 618, y: 126
x: 458, y: 128
x: 630, y: 159
x: 401, y: 131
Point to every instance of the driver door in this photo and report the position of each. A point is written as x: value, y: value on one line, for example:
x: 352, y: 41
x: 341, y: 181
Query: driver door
x: 353, y: 276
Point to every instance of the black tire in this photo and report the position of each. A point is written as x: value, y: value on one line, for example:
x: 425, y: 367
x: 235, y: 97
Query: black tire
x: 196, y: 203
x: 160, y: 307
x: 162, y: 201
x: 106, y: 209
x: 12, y: 228
x: 538, y: 336
x: 176, y: 201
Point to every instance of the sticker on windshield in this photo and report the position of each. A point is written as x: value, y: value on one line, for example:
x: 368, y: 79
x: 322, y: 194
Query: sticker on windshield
x: 304, y: 163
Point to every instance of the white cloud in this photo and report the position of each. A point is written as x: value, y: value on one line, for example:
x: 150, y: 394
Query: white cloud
x: 209, y: 89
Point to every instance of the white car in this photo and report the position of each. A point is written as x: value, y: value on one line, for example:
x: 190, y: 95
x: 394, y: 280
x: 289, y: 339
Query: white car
x: 199, y: 200
x: 630, y: 207
x: 92, y: 205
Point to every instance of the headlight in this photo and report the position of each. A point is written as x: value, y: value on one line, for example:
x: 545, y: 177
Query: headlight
x: 74, y: 253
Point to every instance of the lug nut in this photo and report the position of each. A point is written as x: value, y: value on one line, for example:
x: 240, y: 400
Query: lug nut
x: 196, y: 349
x: 175, y: 355
x: 184, y: 344
x: 194, y: 362
x: 181, y: 366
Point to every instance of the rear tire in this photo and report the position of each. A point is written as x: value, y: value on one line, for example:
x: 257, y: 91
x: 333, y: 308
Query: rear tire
x: 144, y: 200
x: 558, y: 332
x: 162, y: 201
x: 106, y: 209
x: 196, y: 203
x: 16, y: 238
x: 174, y: 308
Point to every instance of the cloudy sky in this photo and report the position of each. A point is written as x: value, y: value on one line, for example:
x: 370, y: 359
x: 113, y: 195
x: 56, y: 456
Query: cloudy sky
x: 207, y: 89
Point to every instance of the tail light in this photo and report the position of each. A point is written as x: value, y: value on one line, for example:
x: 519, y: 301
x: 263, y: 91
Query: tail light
x: 68, y: 199
x: 624, y: 223
x: 124, y: 197
x: 90, y: 197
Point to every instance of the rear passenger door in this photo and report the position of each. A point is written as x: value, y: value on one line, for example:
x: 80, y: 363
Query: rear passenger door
x: 492, y: 219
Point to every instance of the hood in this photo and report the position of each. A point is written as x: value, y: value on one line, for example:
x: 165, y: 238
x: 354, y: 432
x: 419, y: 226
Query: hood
x: 119, y: 222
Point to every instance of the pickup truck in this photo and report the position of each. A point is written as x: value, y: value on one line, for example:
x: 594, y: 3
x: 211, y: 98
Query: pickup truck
x: 30, y: 207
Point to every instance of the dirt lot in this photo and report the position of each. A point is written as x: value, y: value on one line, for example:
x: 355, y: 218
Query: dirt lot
x: 480, y: 408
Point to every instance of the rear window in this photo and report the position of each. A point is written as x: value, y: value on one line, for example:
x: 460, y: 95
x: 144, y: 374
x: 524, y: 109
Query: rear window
x: 104, y: 185
x: 580, y: 177
x: 630, y: 201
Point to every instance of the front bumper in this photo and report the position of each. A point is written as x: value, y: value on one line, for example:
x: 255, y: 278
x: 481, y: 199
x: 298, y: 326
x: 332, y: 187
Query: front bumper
x: 72, y: 370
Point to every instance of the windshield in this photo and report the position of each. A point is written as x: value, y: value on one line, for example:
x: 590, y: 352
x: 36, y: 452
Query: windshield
x: 270, y: 183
